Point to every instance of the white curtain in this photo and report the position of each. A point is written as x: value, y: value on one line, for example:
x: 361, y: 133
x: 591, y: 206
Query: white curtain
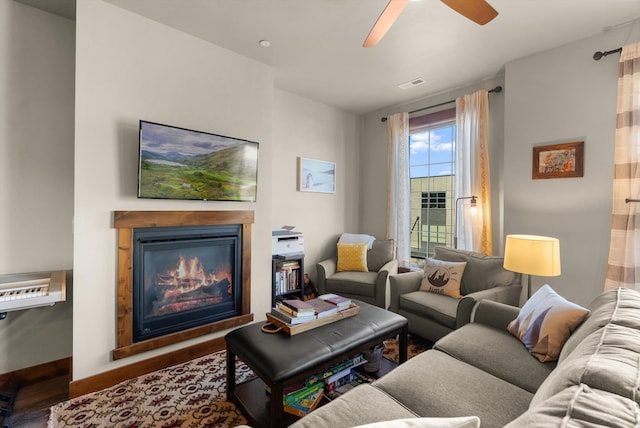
x: 473, y: 224
x: 398, y: 192
x: 623, y: 268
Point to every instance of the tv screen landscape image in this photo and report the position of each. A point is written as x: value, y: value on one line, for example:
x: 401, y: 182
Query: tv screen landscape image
x: 178, y: 163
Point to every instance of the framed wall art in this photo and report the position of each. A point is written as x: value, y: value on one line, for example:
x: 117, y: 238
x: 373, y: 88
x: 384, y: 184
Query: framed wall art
x: 316, y: 176
x: 558, y: 160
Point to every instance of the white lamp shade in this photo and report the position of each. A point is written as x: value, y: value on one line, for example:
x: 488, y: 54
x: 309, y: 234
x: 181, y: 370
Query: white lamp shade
x: 532, y: 255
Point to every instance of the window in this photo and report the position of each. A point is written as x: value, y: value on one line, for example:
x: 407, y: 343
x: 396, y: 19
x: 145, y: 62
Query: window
x: 434, y: 200
x: 432, y: 180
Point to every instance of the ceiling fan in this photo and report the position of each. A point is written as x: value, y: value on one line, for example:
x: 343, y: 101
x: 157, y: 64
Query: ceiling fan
x: 479, y: 11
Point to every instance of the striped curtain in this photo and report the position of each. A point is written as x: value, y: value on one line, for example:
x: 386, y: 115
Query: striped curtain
x: 473, y: 226
x: 398, y: 192
x: 623, y: 268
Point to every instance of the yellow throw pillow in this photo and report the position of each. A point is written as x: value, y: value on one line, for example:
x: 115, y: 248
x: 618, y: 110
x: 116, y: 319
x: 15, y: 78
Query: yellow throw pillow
x: 352, y: 257
x: 443, y: 277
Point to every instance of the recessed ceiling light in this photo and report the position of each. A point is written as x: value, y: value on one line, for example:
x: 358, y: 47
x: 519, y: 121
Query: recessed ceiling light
x: 265, y: 43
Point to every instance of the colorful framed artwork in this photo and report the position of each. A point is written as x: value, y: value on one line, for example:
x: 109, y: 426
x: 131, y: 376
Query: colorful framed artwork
x: 316, y: 176
x: 558, y: 160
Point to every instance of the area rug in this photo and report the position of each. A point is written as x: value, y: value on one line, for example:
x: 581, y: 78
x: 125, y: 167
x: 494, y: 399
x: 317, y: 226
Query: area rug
x: 192, y: 394
x: 416, y: 345
x: 188, y: 395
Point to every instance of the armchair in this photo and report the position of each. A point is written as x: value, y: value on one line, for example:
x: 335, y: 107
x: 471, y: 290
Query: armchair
x: 433, y: 315
x: 370, y: 287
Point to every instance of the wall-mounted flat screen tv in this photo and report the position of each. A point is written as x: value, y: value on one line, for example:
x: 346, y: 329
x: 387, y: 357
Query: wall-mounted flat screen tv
x: 178, y: 163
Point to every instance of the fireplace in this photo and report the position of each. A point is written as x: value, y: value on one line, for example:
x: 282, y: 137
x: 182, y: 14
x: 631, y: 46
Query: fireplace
x: 181, y: 274
x: 184, y: 277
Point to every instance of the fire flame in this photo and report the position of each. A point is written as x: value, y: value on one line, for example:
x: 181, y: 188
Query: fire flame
x: 190, y: 274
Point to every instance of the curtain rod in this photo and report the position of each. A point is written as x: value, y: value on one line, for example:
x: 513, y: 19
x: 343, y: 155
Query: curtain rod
x: 497, y: 89
x: 598, y: 55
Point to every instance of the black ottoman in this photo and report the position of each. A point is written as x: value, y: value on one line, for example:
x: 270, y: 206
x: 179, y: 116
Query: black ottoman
x: 280, y: 360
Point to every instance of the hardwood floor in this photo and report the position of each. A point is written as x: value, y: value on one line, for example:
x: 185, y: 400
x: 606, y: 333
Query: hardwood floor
x: 31, y: 408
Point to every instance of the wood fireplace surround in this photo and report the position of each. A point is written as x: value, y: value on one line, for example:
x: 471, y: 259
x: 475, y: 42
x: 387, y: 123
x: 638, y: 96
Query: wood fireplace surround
x: 126, y: 222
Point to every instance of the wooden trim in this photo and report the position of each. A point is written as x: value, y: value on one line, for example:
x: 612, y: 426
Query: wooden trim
x: 125, y: 287
x: 112, y: 377
x: 131, y: 219
x: 29, y: 375
x: 246, y: 268
x: 169, y: 339
x: 125, y: 222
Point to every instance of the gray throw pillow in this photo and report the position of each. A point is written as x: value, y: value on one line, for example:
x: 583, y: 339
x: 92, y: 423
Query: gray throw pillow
x: 381, y: 253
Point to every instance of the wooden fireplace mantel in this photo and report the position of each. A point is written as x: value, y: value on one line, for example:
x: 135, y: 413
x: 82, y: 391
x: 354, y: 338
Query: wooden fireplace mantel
x: 126, y: 222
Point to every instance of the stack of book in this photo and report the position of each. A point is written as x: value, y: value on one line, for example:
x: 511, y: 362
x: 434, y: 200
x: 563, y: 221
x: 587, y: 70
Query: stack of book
x: 340, y: 302
x: 322, y: 309
x: 302, y: 401
x: 294, y: 311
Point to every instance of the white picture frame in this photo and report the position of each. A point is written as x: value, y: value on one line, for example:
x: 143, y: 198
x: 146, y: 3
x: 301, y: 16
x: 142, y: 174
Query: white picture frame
x: 316, y: 176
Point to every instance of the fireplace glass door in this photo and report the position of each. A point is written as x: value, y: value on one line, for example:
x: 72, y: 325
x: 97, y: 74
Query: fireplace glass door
x: 184, y: 277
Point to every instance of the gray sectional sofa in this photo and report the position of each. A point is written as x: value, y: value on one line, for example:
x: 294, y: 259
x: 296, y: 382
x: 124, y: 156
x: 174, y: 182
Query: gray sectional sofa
x: 482, y: 370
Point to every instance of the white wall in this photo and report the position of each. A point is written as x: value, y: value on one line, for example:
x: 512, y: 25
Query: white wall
x: 306, y: 128
x: 559, y: 95
x: 36, y: 173
x: 130, y: 68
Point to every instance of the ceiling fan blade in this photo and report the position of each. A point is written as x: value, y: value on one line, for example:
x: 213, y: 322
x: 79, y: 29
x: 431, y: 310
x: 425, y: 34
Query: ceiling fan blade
x: 479, y: 11
x: 384, y: 22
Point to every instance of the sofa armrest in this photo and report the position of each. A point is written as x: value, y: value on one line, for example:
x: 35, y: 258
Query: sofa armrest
x: 324, y: 270
x: 508, y: 294
x: 382, y: 282
x: 390, y: 268
x: 402, y: 284
x: 495, y: 314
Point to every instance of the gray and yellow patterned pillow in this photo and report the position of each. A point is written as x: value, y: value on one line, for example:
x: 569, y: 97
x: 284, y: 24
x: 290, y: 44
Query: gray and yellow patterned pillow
x: 545, y: 322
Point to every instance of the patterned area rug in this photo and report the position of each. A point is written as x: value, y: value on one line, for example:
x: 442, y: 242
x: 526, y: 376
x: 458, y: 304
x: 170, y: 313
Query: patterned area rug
x: 190, y: 395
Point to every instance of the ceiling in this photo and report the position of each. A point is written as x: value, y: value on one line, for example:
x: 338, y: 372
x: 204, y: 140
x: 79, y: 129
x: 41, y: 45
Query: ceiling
x: 316, y: 45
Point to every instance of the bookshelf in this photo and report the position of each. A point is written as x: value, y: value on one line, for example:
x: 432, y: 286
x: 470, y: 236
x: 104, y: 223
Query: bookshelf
x: 287, y: 277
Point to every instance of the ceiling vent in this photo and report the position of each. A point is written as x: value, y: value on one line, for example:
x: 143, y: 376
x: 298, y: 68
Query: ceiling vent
x: 410, y: 84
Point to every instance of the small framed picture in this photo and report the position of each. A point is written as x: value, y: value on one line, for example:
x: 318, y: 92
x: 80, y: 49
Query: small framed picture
x: 316, y: 176
x: 558, y: 160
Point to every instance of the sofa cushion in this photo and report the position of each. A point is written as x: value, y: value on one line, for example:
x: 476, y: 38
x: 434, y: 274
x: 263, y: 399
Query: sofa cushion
x: 442, y: 277
x: 482, y: 272
x: 607, y: 359
x: 581, y: 406
x: 381, y: 253
x: 545, y: 322
x: 359, y: 283
x: 619, y: 306
x: 461, y: 422
x: 435, y: 306
x: 496, y: 352
x: 437, y: 385
x: 352, y: 257
x: 361, y: 405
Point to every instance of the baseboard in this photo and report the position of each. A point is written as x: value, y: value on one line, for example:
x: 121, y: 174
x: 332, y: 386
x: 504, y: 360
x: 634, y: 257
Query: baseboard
x: 12, y: 380
x: 112, y: 377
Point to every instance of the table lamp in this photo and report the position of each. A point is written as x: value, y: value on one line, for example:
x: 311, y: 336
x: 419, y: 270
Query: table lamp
x: 532, y: 255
